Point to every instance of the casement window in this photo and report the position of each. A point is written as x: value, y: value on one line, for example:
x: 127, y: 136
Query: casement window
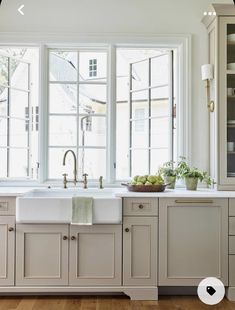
x: 77, y: 111
x: 18, y: 136
x: 145, y: 118
x: 116, y: 111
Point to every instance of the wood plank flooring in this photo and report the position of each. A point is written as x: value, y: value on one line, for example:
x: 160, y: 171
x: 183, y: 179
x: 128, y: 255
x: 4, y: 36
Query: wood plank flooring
x: 107, y: 303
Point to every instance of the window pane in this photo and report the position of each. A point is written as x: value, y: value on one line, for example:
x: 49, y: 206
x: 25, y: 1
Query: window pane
x: 92, y: 99
x: 160, y: 133
x: 159, y: 101
x: 19, y: 74
x: 3, y: 132
x: 158, y: 157
x: 139, y: 101
x: 63, y: 131
x: 3, y: 163
x: 18, y: 163
x: 139, y: 162
x: 56, y: 168
x: 95, y: 62
x: 140, y: 134
x: 18, y: 133
x: 92, y: 131
x: 19, y: 103
x: 63, y: 66
x: 140, y: 75
x: 93, y: 162
x: 3, y: 101
x: 63, y: 98
x: 3, y: 70
x: 159, y: 70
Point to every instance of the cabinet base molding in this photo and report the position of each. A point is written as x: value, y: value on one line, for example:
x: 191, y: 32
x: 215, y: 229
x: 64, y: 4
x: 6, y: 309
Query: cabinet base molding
x: 135, y: 293
x: 230, y: 293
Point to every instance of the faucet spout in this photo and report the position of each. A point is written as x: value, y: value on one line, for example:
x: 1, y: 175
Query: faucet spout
x: 75, y: 164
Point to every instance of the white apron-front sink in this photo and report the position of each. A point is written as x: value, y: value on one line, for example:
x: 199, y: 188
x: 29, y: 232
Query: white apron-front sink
x: 55, y: 206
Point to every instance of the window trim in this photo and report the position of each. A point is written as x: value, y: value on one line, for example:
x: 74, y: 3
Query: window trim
x: 181, y: 43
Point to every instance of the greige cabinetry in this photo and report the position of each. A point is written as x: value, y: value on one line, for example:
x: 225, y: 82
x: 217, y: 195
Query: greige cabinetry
x: 42, y: 254
x: 95, y: 255
x: 193, y: 241
x: 7, y: 241
x: 68, y: 255
x: 140, y: 236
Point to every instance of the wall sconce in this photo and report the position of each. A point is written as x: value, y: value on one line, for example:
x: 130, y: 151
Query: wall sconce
x: 208, y: 75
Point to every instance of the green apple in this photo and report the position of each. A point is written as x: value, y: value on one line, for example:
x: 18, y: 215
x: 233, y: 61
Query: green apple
x: 142, y: 179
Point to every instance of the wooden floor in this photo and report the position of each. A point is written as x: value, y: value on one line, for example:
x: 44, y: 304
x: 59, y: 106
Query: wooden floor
x: 106, y: 303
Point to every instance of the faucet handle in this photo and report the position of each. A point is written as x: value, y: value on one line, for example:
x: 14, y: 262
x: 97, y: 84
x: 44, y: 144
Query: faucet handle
x: 65, y: 181
x: 85, y: 175
x: 101, y: 182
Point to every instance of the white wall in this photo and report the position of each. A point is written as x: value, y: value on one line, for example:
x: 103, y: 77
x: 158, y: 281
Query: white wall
x: 125, y: 16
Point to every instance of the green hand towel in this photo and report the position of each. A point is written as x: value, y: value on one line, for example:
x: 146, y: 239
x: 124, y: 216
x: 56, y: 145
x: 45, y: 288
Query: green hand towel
x: 82, y: 209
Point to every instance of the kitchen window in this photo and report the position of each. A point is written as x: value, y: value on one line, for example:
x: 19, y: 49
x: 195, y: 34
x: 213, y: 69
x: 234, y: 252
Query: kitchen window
x: 119, y: 121
x: 18, y: 137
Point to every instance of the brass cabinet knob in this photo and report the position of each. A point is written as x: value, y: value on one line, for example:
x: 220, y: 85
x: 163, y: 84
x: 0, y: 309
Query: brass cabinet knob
x: 73, y: 238
x: 65, y: 238
x: 141, y: 207
x: 10, y: 229
x: 127, y: 229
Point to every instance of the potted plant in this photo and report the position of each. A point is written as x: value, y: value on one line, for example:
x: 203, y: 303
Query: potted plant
x: 169, y: 173
x: 192, y: 175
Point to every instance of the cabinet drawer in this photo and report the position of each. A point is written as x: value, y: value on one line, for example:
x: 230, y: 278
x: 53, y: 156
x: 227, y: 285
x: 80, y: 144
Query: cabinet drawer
x: 232, y: 225
x: 7, y: 205
x: 232, y: 245
x: 140, y: 206
x: 231, y: 270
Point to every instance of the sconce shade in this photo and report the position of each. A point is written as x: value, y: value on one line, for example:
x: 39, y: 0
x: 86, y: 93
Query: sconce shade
x: 207, y: 72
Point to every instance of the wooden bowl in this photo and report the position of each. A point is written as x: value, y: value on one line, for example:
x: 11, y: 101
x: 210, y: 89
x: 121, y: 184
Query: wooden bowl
x: 145, y: 188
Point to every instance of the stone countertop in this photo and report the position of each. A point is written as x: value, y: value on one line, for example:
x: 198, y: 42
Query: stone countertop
x: 123, y: 193
x: 179, y: 193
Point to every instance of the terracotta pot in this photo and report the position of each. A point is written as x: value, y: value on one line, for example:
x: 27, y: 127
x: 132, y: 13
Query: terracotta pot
x: 191, y: 184
x: 171, y: 181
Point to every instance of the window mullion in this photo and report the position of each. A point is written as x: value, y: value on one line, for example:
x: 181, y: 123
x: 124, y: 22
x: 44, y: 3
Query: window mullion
x: 149, y: 115
x: 111, y: 116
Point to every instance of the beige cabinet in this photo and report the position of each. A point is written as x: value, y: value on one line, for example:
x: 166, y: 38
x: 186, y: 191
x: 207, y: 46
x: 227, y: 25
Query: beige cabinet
x: 42, y: 254
x: 193, y: 241
x: 7, y: 250
x: 95, y: 255
x: 140, y: 235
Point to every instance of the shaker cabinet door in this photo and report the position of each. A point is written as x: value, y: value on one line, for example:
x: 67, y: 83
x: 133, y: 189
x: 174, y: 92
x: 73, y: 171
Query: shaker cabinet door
x: 193, y: 241
x: 41, y: 254
x: 140, y: 235
x: 95, y: 255
x: 7, y: 250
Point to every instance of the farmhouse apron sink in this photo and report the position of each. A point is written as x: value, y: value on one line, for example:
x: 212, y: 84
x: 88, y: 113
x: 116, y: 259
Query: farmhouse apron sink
x: 55, y: 206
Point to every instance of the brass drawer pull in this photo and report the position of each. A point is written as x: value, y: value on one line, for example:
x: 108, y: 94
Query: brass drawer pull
x: 127, y: 229
x: 141, y: 207
x: 65, y: 238
x: 10, y: 229
x: 194, y: 201
x: 73, y: 238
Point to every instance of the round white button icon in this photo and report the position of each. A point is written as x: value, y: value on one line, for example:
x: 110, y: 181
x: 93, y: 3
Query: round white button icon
x: 211, y: 291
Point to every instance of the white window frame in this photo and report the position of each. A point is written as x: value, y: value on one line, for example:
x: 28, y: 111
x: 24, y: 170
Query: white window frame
x: 180, y: 43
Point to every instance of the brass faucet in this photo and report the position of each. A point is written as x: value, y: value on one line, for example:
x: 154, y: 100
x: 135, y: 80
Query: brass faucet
x: 75, y: 180
x: 65, y: 181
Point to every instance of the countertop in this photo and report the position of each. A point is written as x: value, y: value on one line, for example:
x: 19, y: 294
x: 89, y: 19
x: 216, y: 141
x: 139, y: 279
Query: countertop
x: 123, y: 193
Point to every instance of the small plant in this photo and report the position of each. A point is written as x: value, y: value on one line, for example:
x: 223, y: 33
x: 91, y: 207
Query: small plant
x: 168, y: 169
x: 169, y: 172
x: 192, y: 175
